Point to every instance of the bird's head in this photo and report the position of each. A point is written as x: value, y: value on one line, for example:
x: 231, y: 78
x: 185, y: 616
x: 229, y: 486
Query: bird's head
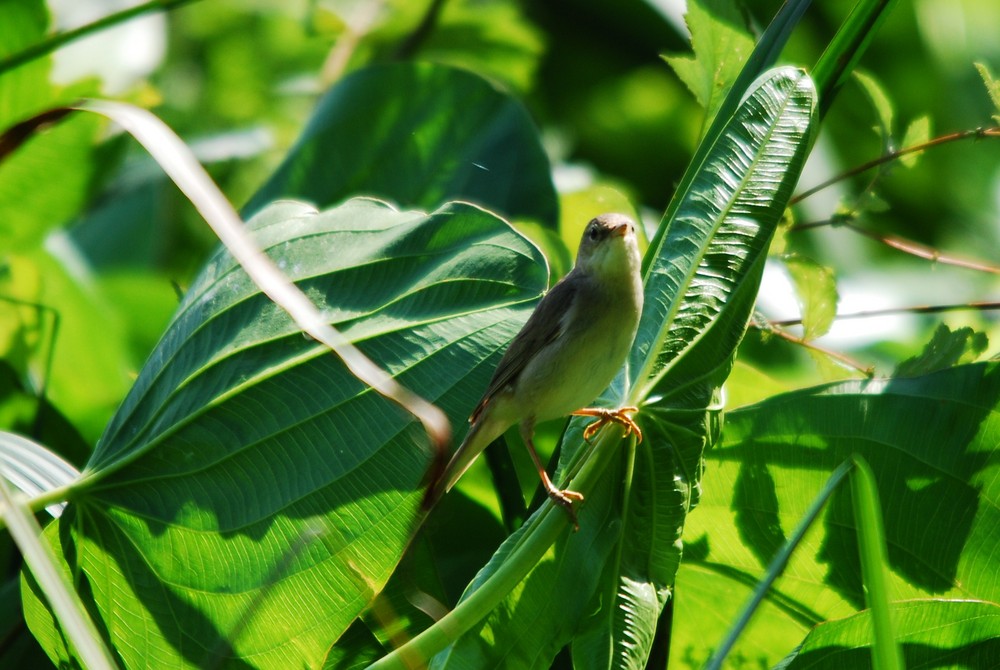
x: 609, y: 246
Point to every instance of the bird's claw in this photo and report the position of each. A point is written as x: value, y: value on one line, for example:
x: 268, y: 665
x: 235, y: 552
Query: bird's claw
x: 619, y: 416
x: 565, y: 499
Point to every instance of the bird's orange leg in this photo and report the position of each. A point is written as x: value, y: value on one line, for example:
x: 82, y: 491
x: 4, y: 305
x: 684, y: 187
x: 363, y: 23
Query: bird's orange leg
x: 619, y: 416
x: 562, y: 497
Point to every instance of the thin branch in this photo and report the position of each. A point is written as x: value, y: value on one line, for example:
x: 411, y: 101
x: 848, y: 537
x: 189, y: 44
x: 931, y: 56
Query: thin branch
x: 56, y: 41
x: 922, y: 251
x: 917, y: 309
x: 900, y: 244
x: 775, y: 328
x: 977, y: 133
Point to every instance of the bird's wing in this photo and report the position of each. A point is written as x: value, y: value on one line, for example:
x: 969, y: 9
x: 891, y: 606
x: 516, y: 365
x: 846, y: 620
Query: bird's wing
x: 543, y: 326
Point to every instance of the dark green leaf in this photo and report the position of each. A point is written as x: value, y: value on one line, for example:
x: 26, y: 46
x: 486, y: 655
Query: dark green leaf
x: 946, y: 349
x: 418, y: 135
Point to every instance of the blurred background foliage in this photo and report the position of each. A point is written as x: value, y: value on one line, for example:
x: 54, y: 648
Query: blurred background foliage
x: 238, y: 81
x: 94, y: 256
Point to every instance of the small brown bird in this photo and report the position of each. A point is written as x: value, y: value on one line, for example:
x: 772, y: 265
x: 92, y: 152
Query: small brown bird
x: 567, y: 353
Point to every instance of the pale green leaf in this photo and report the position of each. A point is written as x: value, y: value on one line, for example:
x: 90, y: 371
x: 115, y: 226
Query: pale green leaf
x: 918, y: 132
x: 881, y: 104
x: 816, y: 291
x: 33, y: 469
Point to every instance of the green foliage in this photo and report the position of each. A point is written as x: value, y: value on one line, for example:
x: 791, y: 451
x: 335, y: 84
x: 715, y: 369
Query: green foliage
x: 251, y: 504
x: 930, y: 441
x: 269, y: 511
x: 721, y: 45
x: 945, y: 349
x: 418, y: 135
x: 816, y: 289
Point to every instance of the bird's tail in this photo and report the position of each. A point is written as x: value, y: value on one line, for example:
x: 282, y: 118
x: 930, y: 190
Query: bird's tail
x: 480, y: 434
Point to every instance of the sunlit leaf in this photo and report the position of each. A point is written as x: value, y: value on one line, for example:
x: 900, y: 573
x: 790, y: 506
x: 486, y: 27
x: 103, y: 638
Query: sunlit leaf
x: 881, y: 104
x: 918, y: 132
x: 992, y: 88
x: 249, y: 469
x: 45, y: 183
x: 603, y: 587
x: 931, y: 442
x: 721, y: 44
x: 931, y: 633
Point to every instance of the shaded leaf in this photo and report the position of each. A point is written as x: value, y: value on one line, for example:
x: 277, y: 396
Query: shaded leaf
x: 945, y: 349
x: 418, y: 135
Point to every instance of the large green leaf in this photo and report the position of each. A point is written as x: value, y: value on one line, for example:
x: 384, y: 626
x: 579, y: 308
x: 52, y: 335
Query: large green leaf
x: 251, y: 497
x: 419, y: 135
x: 932, y: 442
x: 931, y: 633
x: 606, y: 584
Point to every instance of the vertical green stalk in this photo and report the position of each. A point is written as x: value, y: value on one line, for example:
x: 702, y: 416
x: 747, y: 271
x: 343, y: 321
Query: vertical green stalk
x: 886, y: 654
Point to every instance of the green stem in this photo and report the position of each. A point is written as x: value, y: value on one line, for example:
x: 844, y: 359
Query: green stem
x: 886, y: 654
x: 541, y: 532
x: 846, y: 48
x: 50, y: 45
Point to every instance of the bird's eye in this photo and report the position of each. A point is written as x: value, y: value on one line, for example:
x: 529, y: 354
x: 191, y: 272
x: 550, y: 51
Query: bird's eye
x: 594, y: 233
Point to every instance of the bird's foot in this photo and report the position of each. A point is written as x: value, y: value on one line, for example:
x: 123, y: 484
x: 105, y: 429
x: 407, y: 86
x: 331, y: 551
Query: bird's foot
x: 565, y: 499
x: 619, y: 416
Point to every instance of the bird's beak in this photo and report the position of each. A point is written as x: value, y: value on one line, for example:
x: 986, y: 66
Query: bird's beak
x: 622, y: 230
